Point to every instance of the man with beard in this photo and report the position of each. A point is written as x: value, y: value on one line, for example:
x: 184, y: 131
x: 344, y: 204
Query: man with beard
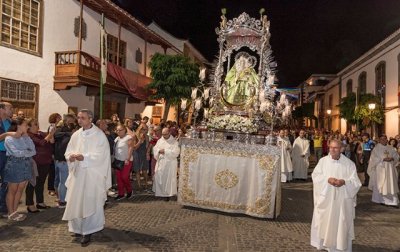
x: 166, y: 152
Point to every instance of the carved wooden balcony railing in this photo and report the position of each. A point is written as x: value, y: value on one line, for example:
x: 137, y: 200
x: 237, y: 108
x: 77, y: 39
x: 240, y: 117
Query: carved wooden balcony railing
x: 76, y: 68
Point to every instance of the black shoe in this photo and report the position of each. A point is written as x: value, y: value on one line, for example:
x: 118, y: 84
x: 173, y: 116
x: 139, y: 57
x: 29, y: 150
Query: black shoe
x: 42, y: 207
x: 32, y: 211
x: 85, y: 240
x: 120, y: 197
x: 129, y: 195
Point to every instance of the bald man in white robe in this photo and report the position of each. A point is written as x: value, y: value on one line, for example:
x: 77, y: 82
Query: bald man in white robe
x: 336, y: 185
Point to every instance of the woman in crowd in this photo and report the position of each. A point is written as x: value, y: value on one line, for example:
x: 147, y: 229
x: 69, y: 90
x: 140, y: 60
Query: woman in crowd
x: 115, y: 118
x: 140, y: 155
x: 393, y: 143
x: 18, y: 169
x: 43, y: 158
x: 123, y: 153
x: 54, y: 120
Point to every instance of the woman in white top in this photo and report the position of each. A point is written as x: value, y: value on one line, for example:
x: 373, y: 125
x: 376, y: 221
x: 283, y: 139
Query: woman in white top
x: 123, y: 152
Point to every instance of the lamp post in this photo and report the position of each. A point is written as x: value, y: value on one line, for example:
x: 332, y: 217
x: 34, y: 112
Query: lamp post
x: 329, y: 112
x: 371, y: 107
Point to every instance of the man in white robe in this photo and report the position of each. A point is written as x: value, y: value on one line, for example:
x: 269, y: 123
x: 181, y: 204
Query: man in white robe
x: 336, y: 185
x: 383, y: 173
x: 166, y: 152
x: 300, y: 155
x: 88, y: 157
x: 286, y: 161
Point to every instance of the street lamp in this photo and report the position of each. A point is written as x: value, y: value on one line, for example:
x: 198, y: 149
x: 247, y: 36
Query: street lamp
x: 371, y: 107
x: 329, y: 112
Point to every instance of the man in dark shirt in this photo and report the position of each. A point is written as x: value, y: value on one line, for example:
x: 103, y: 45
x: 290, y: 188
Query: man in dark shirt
x: 367, y: 147
x: 62, y: 137
x: 5, y: 122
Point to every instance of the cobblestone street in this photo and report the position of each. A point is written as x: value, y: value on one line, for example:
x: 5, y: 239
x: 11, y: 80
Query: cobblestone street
x: 146, y: 223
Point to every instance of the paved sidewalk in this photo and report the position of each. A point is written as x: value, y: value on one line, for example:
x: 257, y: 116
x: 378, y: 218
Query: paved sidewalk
x: 146, y: 223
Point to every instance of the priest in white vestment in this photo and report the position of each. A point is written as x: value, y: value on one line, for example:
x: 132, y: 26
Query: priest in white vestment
x: 336, y: 185
x: 286, y: 161
x: 88, y: 157
x: 166, y: 152
x: 300, y: 155
x: 383, y: 173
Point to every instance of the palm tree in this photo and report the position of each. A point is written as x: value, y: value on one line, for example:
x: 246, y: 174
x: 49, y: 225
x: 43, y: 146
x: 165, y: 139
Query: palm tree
x: 173, y: 78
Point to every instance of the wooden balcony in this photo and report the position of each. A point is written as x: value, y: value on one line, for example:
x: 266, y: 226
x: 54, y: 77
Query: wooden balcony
x: 76, y: 68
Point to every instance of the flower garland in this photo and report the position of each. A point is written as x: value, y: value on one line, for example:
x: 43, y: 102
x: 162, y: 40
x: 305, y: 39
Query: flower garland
x: 232, y: 122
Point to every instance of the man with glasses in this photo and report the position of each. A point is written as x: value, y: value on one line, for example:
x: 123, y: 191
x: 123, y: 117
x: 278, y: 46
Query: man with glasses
x: 166, y: 153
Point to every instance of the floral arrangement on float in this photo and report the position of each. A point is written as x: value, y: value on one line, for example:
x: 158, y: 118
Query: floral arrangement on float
x: 232, y: 123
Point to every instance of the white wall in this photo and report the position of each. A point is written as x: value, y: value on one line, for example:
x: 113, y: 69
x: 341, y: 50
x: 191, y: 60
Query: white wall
x: 389, y: 55
x: 58, y: 28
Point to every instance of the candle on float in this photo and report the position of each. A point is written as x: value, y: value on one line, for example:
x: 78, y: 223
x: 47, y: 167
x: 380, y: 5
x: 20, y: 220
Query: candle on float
x: 205, y: 113
x: 194, y: 93
x: 202, y: 74
x: 197, y: 104
x: 184, y: 103
x: 206, y: 93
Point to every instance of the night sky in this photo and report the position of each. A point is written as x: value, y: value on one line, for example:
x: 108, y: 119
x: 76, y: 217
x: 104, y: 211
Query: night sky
x: 307, y: 36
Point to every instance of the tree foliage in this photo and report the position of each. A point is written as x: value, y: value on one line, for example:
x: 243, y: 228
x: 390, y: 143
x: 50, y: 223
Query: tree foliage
x: 305, y: 110
x: 347, y: 107
x: 362, y: 113
x: 173, y: 78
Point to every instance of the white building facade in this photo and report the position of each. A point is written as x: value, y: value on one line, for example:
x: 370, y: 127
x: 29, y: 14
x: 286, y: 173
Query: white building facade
x: 377, y: 72
x: 48, y: 64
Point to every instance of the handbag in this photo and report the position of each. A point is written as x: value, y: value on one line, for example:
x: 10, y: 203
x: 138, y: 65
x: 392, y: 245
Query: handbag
x: 118, y: 164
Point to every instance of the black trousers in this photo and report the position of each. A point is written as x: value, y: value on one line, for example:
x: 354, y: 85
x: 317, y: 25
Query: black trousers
x: 52, y: 174
x: 43, y: 171
x: 366, y: 157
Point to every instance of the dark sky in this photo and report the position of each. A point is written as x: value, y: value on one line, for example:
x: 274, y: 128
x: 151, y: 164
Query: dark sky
x: 307, y: 36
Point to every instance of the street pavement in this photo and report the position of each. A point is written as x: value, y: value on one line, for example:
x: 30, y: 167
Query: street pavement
x: 146, y: 223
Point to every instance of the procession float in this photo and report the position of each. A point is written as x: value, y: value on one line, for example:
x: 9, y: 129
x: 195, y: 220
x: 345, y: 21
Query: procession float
x: 227, y: 162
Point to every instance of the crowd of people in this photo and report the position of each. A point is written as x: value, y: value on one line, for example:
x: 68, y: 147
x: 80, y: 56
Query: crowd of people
x: 75, y: 155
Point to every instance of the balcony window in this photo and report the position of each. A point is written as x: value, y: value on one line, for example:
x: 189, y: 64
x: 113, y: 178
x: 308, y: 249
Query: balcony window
x: 112, y: 51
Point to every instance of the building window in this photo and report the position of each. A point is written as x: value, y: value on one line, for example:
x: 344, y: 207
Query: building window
x: 330, y: 101
x: 380, y: 90
x: 349, y: 87
x: 20, y: 24
x: 112, y: 51
x: 362, y: 83
x: 12, y: 90
x: 380, y: 81
x: 22, y: 95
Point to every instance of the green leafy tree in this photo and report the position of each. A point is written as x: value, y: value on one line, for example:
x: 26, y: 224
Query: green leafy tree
x: 347, y: 107
x: 173, y: 78
x: 305, y: 110
x: 362, y: 113
x: 365, y: 115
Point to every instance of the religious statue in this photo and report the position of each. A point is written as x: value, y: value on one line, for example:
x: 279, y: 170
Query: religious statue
x: 241, y: 81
